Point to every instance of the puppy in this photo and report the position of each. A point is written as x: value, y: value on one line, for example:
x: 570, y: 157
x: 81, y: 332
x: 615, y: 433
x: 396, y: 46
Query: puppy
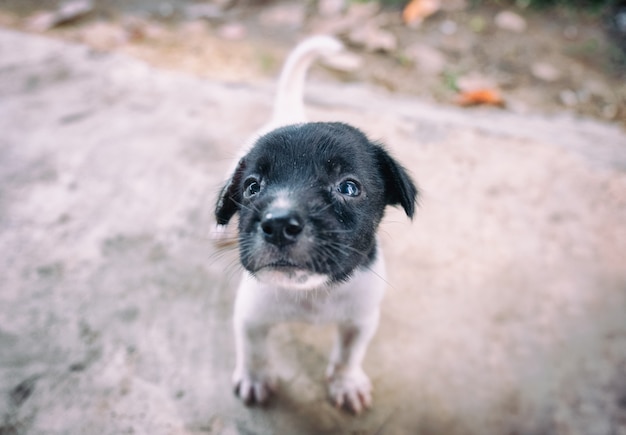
x: 310, y: 197
x: 288, y: 103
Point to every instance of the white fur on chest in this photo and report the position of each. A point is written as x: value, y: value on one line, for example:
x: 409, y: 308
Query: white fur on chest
x: 263, y: 302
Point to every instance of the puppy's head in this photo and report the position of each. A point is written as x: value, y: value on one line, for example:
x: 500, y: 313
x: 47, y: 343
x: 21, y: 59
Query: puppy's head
x: 310, y: 198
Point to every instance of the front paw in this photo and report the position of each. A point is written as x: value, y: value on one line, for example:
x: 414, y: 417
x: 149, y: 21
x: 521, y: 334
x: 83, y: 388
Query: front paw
x: 350, y: 389
x: 253, y: 388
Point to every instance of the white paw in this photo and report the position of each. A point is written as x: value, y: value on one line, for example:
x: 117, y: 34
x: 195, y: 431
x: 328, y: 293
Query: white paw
x: 351, y: 390
x: 252, y: 388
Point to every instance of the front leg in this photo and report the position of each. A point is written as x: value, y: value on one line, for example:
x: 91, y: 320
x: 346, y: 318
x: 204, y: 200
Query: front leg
x: 349, y: 386
x: 252, y: 380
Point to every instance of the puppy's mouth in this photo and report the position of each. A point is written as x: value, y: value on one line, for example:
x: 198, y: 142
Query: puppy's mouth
x: 292, y: 276
x: 279, y: 265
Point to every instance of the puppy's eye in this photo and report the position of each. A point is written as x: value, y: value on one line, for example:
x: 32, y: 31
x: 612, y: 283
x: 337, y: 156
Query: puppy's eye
x: 349, y: 188
x: 251, y: 187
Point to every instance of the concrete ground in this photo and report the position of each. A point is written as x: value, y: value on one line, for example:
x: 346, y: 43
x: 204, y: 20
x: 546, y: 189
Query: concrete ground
x: 506, y: 312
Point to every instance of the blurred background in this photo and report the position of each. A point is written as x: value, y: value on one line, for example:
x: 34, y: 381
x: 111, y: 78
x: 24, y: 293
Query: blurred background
x: 530, y: 55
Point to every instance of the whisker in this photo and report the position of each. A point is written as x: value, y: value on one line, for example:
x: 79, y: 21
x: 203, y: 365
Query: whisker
x: 332, y: 247
x: 233, y: 270
x: 337, y: 231
x: 320, y: 211
x: 219, y: 255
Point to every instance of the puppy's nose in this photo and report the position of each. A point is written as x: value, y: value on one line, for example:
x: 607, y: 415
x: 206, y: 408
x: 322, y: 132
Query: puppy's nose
x: 281, y: 226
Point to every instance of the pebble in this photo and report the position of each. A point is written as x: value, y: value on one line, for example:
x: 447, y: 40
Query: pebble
x: 510, y: 21
x: 104, y: 35
x: 474, y: 80
x: 142, y: 29
x: 284, y: 15
x: 232, y: 31
x: 568, y: 98
x: 373, y: 38
x: 363, y: 10
x: 545, y: 71
x: 205, y: 11
x: 46, y: 20
x: 331, y: 8
x: 448, y: 27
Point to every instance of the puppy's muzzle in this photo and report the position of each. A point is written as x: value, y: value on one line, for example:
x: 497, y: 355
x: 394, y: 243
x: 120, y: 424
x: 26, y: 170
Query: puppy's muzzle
x: 281, y: 227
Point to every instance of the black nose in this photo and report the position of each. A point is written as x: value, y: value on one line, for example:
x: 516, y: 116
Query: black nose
x: 281, y: 226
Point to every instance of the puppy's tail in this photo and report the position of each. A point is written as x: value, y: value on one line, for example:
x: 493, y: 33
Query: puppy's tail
x: 289, y: 105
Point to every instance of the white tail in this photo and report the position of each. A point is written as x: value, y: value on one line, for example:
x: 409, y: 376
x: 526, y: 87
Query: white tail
x: 289, y: 104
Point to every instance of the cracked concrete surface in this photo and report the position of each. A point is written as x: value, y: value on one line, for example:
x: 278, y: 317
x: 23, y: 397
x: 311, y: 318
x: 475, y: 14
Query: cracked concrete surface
x: 506, y: 311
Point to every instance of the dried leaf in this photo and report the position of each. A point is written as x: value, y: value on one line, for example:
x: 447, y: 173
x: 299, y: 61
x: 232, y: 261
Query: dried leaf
x: 103, y: 35
x: 490, y: 97
x: 417, y: 10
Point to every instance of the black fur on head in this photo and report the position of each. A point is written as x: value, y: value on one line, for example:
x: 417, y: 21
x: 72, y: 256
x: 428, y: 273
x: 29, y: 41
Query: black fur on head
x: 310, y: 197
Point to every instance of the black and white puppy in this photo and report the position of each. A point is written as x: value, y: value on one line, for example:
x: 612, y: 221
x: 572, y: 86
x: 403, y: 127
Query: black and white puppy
x: 310, y: 197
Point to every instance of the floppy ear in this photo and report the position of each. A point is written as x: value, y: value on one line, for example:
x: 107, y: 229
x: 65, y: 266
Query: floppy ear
x: 399, y: 187
x: 229, y: 200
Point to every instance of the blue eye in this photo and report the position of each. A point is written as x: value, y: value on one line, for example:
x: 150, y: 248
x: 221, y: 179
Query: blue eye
x: 251, y: 187
x: 349, y: 188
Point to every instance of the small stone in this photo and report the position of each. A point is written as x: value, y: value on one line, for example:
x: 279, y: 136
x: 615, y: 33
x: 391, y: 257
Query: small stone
x: 568, y: 98
x: 204, y: 11
x: 373, y: 38
x: 104, y: 35
x: 510, y: 21
x: 331, y: 8
x: 67, y: 12
x: 40, y: 21
x: 140, y: 29
x: 474, y: 81
x: 284, y: 15
x: 72, y: 10
x: 545, y: 71
x: 448, y: 27
x: 232, y: 31
x: 363, y: 11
